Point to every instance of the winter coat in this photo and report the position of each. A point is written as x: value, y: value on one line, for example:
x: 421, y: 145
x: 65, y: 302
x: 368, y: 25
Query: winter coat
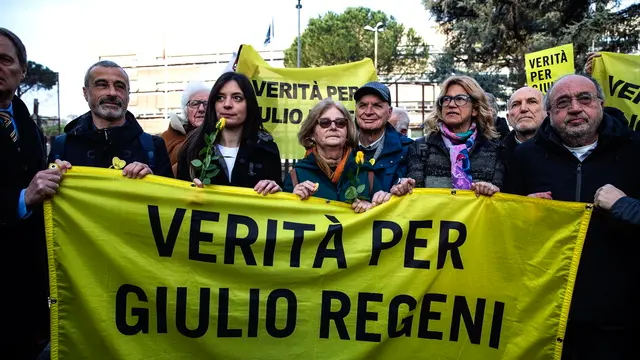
x: 392, y: 162
x: 607, y: 280
x: 430, y: 164
x: 307, y: 169
x: 86, y: 145
x: 258, y: 159
x: 173, y: 138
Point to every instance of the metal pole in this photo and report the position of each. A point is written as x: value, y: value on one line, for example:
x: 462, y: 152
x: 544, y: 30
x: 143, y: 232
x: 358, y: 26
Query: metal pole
x: 375, y: 48
x: 298, y: 7
x: 59, y: 126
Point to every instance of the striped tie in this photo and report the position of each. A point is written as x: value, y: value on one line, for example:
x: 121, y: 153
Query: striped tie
x: 5, y: 120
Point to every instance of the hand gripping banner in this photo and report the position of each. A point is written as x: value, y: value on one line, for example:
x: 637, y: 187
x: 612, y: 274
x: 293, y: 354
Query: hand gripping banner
x: 158, y: 269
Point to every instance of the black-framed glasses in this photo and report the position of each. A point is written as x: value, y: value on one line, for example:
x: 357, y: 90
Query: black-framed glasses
x: 584, y: 98
x: 194, y: 104
x: 459, y: 100
x: 326, y: 123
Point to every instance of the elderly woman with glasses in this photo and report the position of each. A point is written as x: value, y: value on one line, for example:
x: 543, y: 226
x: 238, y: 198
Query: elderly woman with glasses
x: 460, y: 149
x: 194, y: 104
x: 331, y: 168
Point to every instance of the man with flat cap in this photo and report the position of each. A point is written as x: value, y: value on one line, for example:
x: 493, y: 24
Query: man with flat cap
x: 378, y: 139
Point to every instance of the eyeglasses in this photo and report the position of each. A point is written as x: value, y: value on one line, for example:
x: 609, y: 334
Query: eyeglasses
x: 326, y: 123
x: 583, y: 98
x: 459, y: 100
x: 194, y: 104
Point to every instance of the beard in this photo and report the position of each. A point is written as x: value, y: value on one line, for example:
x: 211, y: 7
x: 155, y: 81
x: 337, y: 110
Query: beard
x: 110, y: 108
x: 582, y: 134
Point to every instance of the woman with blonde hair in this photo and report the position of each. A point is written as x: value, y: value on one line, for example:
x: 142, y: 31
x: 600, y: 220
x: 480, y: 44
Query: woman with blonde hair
x: 460, y: 149
x: 331, y: 168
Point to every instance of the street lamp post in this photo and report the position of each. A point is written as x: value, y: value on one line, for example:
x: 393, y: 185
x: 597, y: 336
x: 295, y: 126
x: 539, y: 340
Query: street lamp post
x: 298, y: 7
x: 378, y: 28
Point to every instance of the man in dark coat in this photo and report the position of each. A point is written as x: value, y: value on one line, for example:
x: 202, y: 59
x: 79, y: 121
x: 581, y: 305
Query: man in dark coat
x: 24, y: 185
x: 108, y: 130
x: 580, y: 148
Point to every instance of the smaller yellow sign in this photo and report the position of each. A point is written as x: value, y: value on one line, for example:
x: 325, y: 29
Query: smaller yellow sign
x: 544, y: 67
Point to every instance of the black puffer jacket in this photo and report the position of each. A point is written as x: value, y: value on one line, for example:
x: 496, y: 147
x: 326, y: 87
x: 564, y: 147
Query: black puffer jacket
x: 85, y: 145
x: 608, y: 278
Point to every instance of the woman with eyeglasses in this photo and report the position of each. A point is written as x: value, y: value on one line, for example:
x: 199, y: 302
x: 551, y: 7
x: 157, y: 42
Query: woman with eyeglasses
x: 329, y: 136
x: 248, y: 155
x: 460, y: 149
x: 194, y: 103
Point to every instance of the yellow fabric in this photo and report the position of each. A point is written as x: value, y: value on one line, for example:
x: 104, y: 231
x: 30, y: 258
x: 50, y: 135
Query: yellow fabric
x: 619, y: 77
x: 286, y: 95
x: 517, y: 252
x: 546, y: 66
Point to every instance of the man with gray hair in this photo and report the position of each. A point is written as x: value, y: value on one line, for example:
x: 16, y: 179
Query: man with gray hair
x: 400, y: 120
x: 195, y: 99
x: 108, y: 130
x: 525, y: 112
x: 579, y: 149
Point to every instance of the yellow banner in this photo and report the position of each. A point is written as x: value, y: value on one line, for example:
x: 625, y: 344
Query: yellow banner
x: 546, y: 66
x: 619, y: 76
x: 286, y: 95
x: 157, y: 269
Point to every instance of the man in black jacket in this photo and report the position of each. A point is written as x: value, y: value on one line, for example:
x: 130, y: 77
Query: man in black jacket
x: 108, y: 130
x: 24, y: 185
x: 580, y: 148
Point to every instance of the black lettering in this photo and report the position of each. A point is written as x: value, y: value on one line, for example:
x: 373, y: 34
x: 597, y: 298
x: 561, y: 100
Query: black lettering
x: 304, y: 88
x: 195, y: 236
x: 292, y: 313
x: 165, y: 247
x: 331, y: 90
x: 474, y: 326
x: 274, y: 117
x: 270, y: 243
x: 412, y: 243
x: 352, y: 92
x: 334, y: 232
x: 377, y: 244
x: 426, y: 315
x: 223, y: 316
x: 259, y: 89
x: 203, y: 313
x: 545, y: 61
x: 446, y: 246
x: 141, y: 314
x: 326, y: 315
x: 298, y: 239
x: 534, y: 74
x: 343, y: 93
x: 243, y: 243
x: 532, y: 63
x: 547, y: 73
x: 363, y: 316
x: 295, y: 116
x: 612, y: 86
x: 267, y: 116
x: 161, y: 310
x: 272, y: 89
x: 627, y: 90
x: 285, y: 90
x: 496, y: 325
x: 254, y: 312
x: 394, y: 314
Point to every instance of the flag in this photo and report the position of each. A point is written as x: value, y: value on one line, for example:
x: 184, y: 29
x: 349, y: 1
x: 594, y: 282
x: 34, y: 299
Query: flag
x: 270, y: 33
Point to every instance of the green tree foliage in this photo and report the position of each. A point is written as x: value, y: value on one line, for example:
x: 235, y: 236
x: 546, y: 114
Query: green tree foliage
x: 488, y: 35
x: 333, y: 39
x: 39, y: 77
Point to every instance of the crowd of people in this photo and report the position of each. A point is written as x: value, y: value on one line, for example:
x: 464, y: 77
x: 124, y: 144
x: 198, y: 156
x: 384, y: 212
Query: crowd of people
x: 563, y: 146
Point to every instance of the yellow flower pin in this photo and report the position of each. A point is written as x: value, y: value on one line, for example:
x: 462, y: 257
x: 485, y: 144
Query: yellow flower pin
x: 372, y: 161
x: 117, y: 164
x: 221, y: 123
x: 359, y: 158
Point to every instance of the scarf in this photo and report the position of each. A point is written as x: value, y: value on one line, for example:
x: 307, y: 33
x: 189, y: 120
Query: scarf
x: 460, y: 145
x: 334, y: 175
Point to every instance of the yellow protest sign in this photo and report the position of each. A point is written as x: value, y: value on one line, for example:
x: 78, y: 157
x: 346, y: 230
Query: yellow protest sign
x: 619, y: 76
x: 163, y: 270
x: 546, y: 66
x: 286, y: 95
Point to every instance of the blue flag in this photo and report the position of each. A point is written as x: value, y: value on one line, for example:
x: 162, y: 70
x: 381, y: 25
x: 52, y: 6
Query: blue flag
x: 267, y: 40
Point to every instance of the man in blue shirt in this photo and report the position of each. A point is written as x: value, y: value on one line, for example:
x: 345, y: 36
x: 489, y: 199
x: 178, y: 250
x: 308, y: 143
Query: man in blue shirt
x: 24, y: 184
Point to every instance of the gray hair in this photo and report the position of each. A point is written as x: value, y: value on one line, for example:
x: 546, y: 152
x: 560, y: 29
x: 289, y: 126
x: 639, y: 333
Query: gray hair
x: 403, y: 118
x: 21, y: 51
x: 547, y: 96
x: 106, y: 64
x: 493, y: 103
x: 192, y: 88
